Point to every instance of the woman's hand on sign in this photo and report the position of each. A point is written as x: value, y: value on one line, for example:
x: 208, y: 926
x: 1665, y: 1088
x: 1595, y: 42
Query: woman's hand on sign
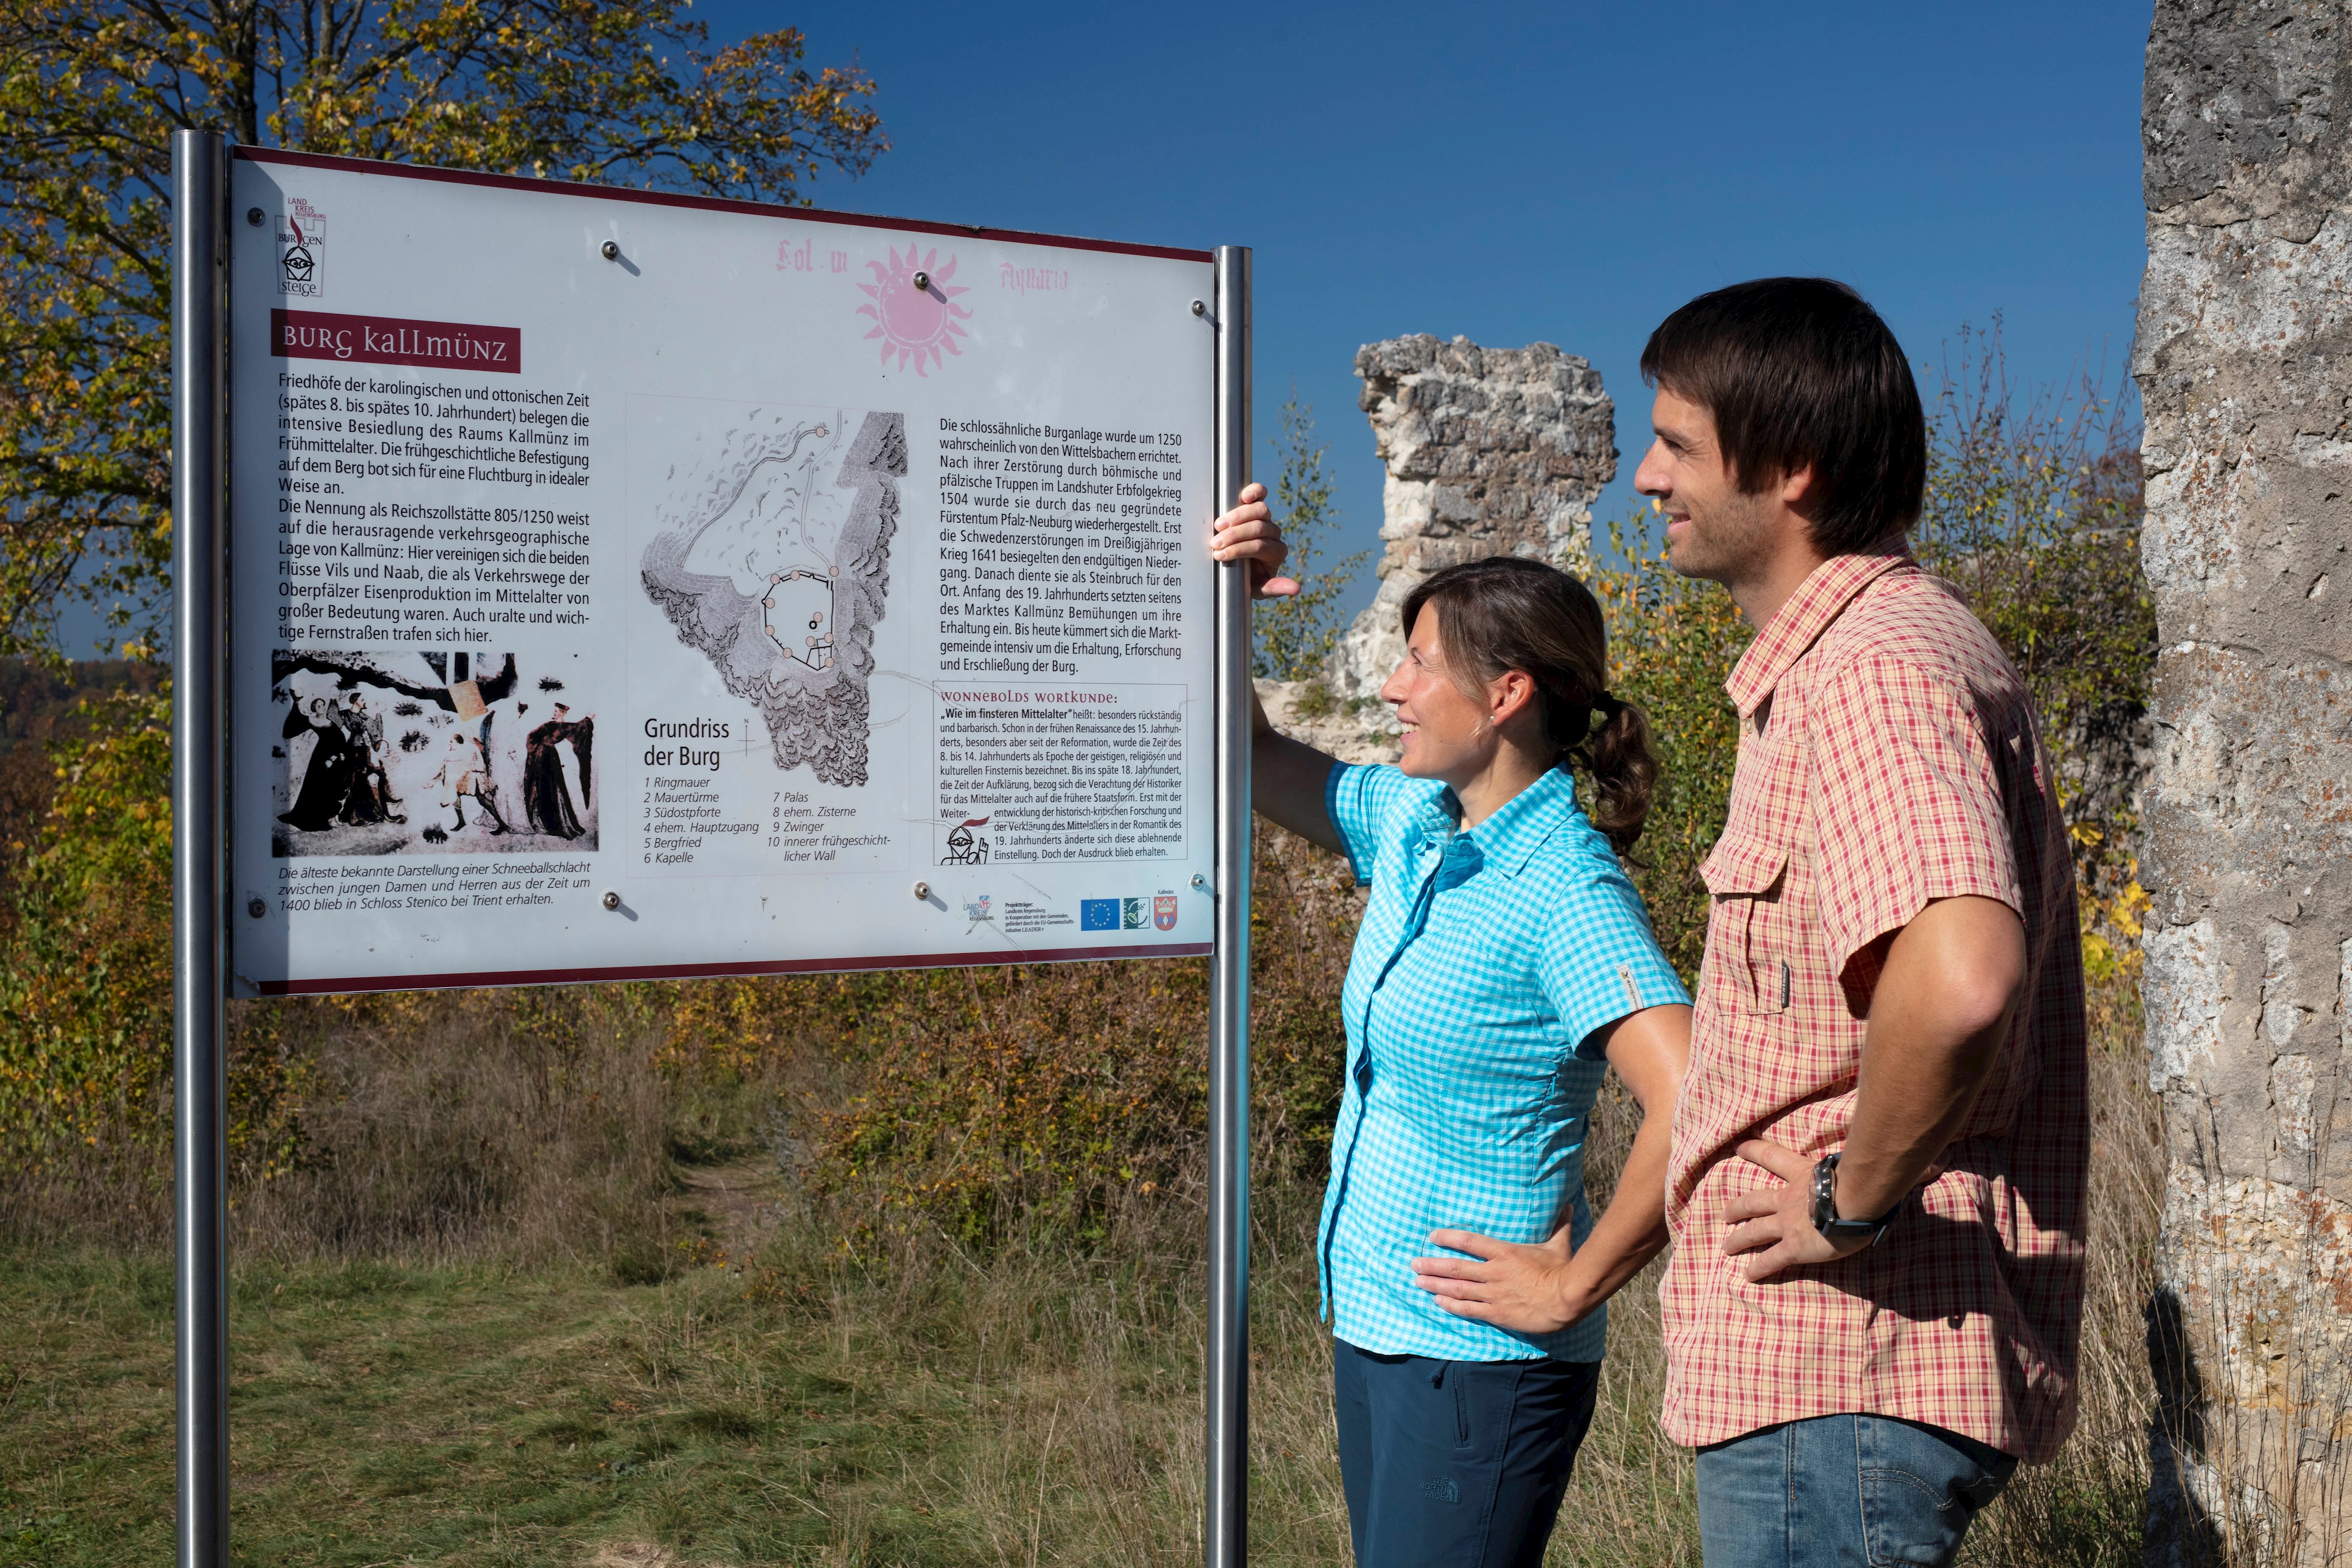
x: 1249, y: 533
x: 1510, y: 1284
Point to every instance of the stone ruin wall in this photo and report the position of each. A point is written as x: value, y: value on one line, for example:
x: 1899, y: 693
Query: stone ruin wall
x: 2244, y: 363
x: 1488, y: 452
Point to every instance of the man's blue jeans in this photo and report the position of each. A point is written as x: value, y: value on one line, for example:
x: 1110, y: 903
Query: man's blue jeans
x: 1843, y: 1491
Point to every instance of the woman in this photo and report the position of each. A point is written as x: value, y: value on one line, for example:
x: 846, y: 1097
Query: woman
x: 1504, y: 959
x: 546, y: 798
x: 324, y: 796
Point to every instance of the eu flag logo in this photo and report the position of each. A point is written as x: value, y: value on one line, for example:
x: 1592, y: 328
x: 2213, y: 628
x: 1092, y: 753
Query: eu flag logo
x: 1099, y: 915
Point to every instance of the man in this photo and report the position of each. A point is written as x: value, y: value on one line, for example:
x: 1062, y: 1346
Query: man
x: 364, y: 728
x: 467, y: 771
x: 1876, y: 1177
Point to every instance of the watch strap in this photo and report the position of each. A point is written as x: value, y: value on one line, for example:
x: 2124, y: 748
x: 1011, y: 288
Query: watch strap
x: 1824, y: 1208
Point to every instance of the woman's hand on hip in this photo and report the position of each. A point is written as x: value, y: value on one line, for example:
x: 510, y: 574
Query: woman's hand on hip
x: 1511, y: 1284
x: 1249, y: 533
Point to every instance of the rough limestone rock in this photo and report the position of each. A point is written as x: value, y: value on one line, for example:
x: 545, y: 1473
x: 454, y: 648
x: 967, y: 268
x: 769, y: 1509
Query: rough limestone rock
x: 2244, y: 361
x: 1489, y: 452
x: 1304, y: 710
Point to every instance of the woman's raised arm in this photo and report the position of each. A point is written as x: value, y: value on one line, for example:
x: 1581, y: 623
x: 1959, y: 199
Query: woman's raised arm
x: 1287, y: 777
x: 1289, y: 780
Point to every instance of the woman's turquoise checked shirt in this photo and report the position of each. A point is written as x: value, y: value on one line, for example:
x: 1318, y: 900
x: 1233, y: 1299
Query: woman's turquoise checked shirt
x: 1486, y: 962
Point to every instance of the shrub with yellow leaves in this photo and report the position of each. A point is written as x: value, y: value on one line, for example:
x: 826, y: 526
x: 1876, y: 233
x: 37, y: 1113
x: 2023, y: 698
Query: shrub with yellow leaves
x: 85, y: 996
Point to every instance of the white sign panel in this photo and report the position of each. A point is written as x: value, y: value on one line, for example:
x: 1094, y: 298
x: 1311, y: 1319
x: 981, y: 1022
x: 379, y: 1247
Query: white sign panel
x: 629, y: 585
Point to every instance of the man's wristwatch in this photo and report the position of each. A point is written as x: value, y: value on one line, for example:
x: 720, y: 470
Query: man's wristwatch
x: 1825, y: 1214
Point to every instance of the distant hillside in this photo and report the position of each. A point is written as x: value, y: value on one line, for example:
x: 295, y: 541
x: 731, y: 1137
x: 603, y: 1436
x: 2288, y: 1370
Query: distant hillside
x: 38, y: 702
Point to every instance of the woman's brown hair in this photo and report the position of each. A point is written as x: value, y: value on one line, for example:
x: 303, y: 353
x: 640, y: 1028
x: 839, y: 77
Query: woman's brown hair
x: 1507, y: 612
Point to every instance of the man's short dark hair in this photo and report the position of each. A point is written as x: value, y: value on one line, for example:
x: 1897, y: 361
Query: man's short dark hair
x: 1799, y: 372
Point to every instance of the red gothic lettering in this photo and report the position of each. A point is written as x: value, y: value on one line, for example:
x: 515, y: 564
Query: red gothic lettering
x: 395, y: 341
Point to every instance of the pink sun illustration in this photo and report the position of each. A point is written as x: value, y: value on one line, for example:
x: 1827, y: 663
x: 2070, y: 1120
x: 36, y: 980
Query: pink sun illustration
x: 914, y: 322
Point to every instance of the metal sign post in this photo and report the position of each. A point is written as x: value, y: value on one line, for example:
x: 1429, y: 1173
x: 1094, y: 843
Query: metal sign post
x: 199, y: 478
x: 1227, y: 1539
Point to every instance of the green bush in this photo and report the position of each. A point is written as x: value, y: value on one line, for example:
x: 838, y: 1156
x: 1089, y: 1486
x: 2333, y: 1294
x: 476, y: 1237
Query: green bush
x: 1061, y: 1087
x: 85, y: 994
x: 1672, y: 643
x: 1295, y: 637
x: 2033, y: 510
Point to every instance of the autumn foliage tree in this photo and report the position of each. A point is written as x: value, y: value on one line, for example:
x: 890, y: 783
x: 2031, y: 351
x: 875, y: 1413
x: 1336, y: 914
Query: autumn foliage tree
x: 628, y: 92
x: 90, y: 91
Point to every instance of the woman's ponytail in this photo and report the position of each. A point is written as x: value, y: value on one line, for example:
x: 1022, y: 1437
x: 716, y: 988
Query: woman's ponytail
x: 1618, y: 758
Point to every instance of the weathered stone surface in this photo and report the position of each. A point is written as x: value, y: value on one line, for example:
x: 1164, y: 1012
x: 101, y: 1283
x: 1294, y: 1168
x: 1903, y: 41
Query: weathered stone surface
x: 1303, y: 712
x: 1489, y: 452
x: 2239, y: 114
x: 2244, y: 362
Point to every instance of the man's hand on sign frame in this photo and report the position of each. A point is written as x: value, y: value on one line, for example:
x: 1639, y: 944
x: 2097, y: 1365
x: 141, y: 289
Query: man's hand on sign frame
x: 1249, y: 533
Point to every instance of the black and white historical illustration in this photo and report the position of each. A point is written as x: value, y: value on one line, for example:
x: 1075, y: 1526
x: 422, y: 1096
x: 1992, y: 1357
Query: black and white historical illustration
x: 447, y: 752
x: 771, y: 558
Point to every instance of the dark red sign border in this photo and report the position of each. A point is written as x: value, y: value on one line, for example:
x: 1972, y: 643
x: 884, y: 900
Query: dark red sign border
x: 705, y: 203
x: 470, y: 979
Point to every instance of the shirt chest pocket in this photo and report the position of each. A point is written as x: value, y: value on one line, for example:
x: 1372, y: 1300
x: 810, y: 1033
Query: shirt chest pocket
x: 1752, y: 935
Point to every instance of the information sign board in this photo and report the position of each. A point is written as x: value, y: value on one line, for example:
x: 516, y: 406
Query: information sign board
x: 632, y: 585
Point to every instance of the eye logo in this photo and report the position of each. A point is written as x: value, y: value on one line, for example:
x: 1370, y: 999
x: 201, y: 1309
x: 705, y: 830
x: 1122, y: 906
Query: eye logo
x: 301, y: 233
x: 913, y: 323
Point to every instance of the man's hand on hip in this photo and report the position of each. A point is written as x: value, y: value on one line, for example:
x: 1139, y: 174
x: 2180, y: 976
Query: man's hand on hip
x: 1773, y: 1226
x: 1938, y: 1015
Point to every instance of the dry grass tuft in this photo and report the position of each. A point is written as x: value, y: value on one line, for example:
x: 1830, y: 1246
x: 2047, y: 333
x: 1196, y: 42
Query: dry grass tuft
x: 448, y: 1142
x: 632, y: 1554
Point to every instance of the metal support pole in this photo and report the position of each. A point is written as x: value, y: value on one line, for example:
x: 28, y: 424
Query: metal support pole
x: 1229, y: 1230
x: 199, y: 475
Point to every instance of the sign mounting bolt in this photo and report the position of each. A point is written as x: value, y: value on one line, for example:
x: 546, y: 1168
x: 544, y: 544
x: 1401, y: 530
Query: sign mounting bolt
x: 922, y: 283
x: 1200, y: 881
x: 611, y: 250
x: 923, y: 890
x: 255, y: 908
x: 1200, y: 308
x: 253, y: 216
x: 612, y: 900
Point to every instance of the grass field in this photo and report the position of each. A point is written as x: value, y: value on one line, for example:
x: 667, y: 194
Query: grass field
x: 925, y: 1410
x: 777, y: 1400
x: 538, y: 1296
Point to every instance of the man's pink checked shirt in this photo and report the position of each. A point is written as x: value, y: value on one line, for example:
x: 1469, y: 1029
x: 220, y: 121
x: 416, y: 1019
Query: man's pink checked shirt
x: 1888, y: 757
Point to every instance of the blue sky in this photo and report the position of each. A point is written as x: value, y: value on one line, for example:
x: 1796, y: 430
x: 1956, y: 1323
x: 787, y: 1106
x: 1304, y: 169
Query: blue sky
x: 1567, y: 172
